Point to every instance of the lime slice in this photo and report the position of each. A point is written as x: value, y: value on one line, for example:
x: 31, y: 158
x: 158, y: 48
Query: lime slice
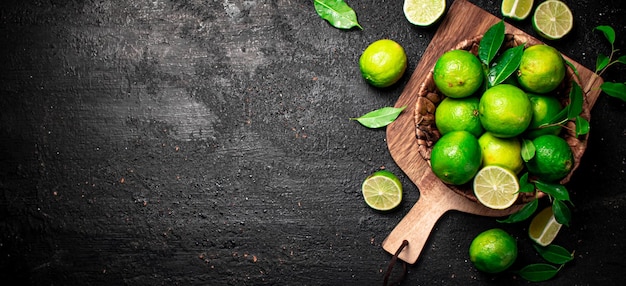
x: 544, y: 227
x: 517, y: 9
x: 496, y: 187
x: 553, y: 19
x: 424, y: 12
x: 382, y: 190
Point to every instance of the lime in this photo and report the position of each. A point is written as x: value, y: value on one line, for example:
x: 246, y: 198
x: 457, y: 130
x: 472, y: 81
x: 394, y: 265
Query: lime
x: 505, y: 110
x: 553, y: 19
x: 516, y: 9
x: 458, y: 73
x: 493, y: 251
x: 541, y: 69
x: 496, y: 187
x: 544, y: 227
x: 545, y: 108
x: 383, y: 63
x: 424, y: 12
x: 382, y: 190
x: 454, y: 114
x: 503, y: 152
x: 553, y: 158
x: 455, y: 157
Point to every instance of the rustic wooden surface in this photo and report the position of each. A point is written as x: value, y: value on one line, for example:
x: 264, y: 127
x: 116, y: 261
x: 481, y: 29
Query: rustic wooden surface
x: 463, y: 21
x: 208, y: 143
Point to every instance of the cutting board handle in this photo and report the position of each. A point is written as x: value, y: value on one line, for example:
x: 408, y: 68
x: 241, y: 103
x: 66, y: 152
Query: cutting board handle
x: 415, y: 227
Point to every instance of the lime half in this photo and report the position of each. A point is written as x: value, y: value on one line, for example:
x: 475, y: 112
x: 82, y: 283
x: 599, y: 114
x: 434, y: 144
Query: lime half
x: 544, y: 227
x: 517, y: 9
x: 553, y: 19
x: 382, y: 190
x: 424, y: 12
x: 496, y: 187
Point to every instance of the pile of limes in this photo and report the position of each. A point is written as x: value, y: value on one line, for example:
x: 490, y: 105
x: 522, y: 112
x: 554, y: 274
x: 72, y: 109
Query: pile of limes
x: 483, y: 128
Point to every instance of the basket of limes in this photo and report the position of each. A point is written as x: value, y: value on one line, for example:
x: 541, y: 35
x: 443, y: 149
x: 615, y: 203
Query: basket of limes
x: 485, y: 127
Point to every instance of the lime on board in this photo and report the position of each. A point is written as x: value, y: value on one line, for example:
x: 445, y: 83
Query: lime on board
x: 544, y: 227
x: 516, y: 9
x: 382, y: 190
x: 424, y: 12
x: 496, y: 187
x: 553, y: 19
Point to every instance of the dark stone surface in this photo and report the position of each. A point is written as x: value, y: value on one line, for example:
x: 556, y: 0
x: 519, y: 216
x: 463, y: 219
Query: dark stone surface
x: 208, y: 143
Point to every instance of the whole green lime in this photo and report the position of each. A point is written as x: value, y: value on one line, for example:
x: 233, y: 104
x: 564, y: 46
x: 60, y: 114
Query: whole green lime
x: 553, y: 158
x: 458, y: 73
x: 541, y: 69
x: 455, y: 114
x: 505, y: 110
x: 493, y: 251
x: 545, y: 108
x: 383, y: 63
x: 456, y: 157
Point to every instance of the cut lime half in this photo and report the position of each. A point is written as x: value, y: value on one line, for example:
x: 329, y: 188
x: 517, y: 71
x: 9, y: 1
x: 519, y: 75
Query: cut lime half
x: 553, y: 19
x: 424, y: 12
x: 382, y: 190
x: 496, y: 187
x: 517, y: 9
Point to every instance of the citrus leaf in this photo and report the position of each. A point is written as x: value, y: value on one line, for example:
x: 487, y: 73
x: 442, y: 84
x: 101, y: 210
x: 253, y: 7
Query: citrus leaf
x: 506, y: 64
x: 559, y: 117
x: 561, y: 212
x: 582, y: 126
x: 575, y: 106
x: 379, y: 117
x: 538, y: 272
x: 608, y: 32
x: 557, y: 191
x: 528, y: 150
x: 622, y: 59
x: 615, y: 89
x: 491, y: 42
x: 554, y: 253
x: 337, y: 13
x: 524, y: 185
x: 601, y: 62
x: 573, y: 67
x: 523, y: 214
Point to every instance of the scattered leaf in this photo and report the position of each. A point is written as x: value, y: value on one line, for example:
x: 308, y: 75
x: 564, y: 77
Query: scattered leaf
x: 573, y: 67
x: 554, y: 253
x: 561, y: 212
x: 614, y: 89
x: 379, y: 117
x: 506, y: 65
x: 576, y: 99
x: 582, y: 126
x: 608, y: 32
x: 337, y: 13
x: 557, y: 191
x: 523, y: 214
x: 538, y: 272
x: 622, y: 59
x: 491, y: 42
x: 601, y: 62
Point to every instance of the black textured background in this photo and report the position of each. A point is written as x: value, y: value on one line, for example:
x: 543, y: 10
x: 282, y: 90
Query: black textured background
x: 207, y: 142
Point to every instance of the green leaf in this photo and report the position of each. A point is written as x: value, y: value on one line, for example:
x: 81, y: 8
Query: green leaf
x: 528, y: 150
x: 582, y: 126
x: 622, y: 59
x: 538, y: 272
x: 608, y: 32
x: 561, y: 212
x: 337, y: 13
x: 523, y: 214
x: 379, y: 117
x: 601, y: 62
x: 524, y: 185
x: 491, y: 42
x: 506, y: 65
x: 559, y: 117
x: 614, y: 89
x: 557, y: 191
x: 554, y: 253
x: 575, y: 106
x: 573, y: 67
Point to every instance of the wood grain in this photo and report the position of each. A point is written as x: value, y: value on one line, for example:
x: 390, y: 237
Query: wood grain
x: 463, y: 20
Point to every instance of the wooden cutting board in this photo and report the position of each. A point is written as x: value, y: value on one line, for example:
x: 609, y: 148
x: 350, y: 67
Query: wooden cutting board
x: 463, y: 20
